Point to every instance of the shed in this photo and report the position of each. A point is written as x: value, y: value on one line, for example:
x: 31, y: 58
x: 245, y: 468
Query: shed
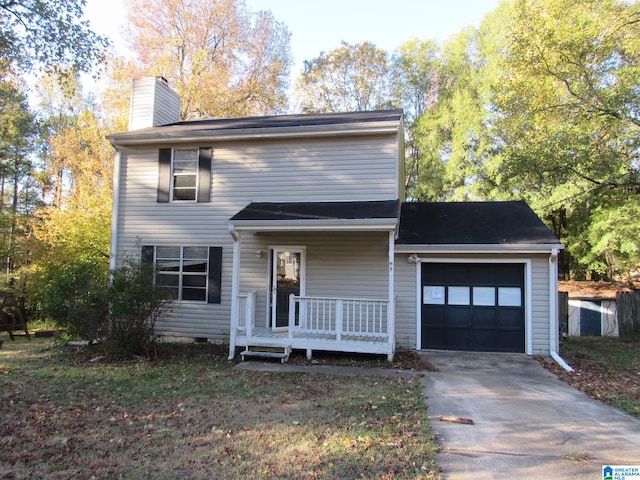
x: 592, y: 309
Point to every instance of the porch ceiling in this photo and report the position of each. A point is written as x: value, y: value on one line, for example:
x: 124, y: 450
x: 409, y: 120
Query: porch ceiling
x: 269, y: 216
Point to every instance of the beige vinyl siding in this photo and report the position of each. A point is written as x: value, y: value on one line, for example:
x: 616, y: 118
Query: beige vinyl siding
x: 541, y: 297
x: 153, y: 103
x: 338, y: 169
x: 406, y: 290
x: 338, y: 264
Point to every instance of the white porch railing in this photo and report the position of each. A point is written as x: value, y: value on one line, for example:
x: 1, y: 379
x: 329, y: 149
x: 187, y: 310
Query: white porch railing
x: 247, y: 313
x: 319, y: 323
x: 338, y: 317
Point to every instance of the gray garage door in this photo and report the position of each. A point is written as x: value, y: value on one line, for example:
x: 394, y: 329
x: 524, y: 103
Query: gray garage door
x: 476, y: 307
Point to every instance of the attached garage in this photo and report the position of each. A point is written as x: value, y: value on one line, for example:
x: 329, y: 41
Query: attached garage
x: 474, y: 306
x: 485, y: 277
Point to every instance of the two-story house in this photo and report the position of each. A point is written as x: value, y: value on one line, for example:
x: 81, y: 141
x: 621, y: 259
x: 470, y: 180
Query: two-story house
x: 289, y: 232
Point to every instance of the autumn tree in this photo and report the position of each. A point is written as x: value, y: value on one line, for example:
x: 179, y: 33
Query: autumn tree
x: 221, y: 58
x: 346, y: 79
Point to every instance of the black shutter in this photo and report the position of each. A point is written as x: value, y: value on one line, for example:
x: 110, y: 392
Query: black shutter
x: 204, y: 172
x: 146, y: 258
x: 215, y: 275
x: 164, y: 175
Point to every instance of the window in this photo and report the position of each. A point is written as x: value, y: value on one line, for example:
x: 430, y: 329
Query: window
x: 184, y: 175
x: 509, y: 297
x: 187, y: 273
x: 484, y: 296
x: 433, y: 295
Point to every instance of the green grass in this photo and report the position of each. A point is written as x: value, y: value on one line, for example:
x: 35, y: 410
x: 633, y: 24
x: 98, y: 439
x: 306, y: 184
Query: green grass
x: 606, y: 368
x: 193, y: 415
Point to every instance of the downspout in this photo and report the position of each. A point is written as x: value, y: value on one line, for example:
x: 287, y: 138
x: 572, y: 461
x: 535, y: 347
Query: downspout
x: 113, y: 261
x: 233, y: 327
x: 553, y: 311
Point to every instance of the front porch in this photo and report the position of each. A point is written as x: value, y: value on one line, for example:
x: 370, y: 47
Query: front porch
x: 314, y: 276
x: 354, y: 325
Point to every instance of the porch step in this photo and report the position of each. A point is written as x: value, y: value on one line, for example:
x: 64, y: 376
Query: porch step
x: 281, y: 353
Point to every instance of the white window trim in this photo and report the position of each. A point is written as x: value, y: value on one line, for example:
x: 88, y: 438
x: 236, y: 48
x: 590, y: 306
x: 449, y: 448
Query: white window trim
x: 528, y: 293
x: 181, y: 272
x: 173, y: 175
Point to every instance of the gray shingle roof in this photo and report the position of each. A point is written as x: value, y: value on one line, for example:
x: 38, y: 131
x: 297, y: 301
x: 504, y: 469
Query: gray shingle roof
x: 472, y: 223
x: 318, y: 211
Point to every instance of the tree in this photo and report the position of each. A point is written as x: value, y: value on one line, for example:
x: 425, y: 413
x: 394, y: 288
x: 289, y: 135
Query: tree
x: 414, y: 82
x: 48, y: 34
x: 17, y: 192
x: 346, y: 79
x: 222, y: 59
x: 452, y: 135
x: 569, y: 122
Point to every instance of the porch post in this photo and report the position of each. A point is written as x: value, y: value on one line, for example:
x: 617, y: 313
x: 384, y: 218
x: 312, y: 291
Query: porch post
x: 235, y: 282
x: 391, y: 306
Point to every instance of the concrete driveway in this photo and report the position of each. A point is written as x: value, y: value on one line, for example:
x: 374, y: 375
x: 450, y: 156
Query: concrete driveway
x: 527, y: 424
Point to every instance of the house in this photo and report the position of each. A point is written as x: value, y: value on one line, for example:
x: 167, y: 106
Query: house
x: 288, y: 232
x: 592, y: 308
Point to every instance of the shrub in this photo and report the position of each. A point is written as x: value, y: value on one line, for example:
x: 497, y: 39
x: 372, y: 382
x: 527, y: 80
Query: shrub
x: 74, y: 297
x: 135, y: 305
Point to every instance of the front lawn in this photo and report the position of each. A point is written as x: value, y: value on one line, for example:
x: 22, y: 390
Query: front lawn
x: 606, y: 368
x: 192, y: 415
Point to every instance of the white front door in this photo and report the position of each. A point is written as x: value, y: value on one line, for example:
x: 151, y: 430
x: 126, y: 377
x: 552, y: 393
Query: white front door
x: 287, y: 277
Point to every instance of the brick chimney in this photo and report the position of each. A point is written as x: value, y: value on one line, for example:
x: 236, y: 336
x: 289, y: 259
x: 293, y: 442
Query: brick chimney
x: 153, y: 103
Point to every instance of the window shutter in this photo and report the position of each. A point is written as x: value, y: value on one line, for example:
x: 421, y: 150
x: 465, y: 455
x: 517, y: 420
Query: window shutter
x: 146, y: 258
x: 164, y: 175
x: 204, y: 173
x: 215, y: 275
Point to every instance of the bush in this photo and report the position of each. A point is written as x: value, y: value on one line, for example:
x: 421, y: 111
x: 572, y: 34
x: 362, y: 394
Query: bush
x: 135, y: 305
x: 74, y: 297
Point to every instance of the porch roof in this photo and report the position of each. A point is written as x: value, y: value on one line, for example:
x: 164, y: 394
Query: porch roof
x: 270, y: 216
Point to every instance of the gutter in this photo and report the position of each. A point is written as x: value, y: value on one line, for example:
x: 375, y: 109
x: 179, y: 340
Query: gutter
x: 156, y: 135
x: 553, y: 311
x: 115, y: 212
x: 501, y: 248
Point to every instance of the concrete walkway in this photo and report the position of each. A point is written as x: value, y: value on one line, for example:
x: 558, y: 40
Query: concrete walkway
x: 526, y: 423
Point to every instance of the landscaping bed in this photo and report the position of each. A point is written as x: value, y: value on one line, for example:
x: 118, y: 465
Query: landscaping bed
x: 67, y: 413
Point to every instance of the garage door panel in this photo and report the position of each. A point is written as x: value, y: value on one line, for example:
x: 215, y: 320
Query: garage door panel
x: 483, y: 275
x: 484, y: 317
x: 435, y: 339
x: 510, y: 341
x: 459, y: 317
x: 434, y: 316
x: 458, y: 338
x: 509, y: 319
x: 473, y: 306
x: 457, y: 274
x: 510, y: 275
x: 485, y: 340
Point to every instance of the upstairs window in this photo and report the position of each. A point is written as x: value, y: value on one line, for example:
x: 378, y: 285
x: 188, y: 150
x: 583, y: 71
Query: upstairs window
x: 184, y: 175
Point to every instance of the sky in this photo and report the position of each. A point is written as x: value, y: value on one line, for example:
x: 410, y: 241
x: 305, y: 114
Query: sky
x: 320, y: 26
